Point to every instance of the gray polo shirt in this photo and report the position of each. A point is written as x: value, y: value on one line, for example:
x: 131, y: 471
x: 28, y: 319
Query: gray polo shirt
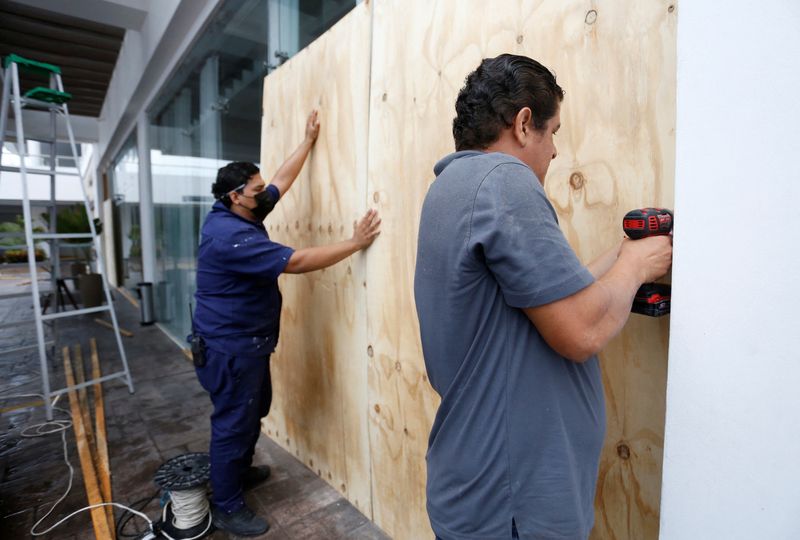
x: 519, y: 429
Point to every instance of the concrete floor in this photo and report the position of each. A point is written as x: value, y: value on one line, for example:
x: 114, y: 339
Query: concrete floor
x: 167, y: 416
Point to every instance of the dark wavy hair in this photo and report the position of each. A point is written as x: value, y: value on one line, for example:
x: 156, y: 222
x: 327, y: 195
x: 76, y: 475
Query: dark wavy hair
x: 495, y: 92
x: 230, y: 177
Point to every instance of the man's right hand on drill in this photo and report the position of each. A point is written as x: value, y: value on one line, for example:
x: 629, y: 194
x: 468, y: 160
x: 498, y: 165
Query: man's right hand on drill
x: 652, y: 256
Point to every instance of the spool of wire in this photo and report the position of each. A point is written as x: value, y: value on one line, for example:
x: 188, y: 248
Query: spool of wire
x: 186, y: 514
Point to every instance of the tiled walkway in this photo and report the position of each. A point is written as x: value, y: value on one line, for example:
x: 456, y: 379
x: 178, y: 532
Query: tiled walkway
x: 167, y: 416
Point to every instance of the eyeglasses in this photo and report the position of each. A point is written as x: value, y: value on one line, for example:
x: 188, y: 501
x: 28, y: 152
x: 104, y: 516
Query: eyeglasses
x: 238, y: 188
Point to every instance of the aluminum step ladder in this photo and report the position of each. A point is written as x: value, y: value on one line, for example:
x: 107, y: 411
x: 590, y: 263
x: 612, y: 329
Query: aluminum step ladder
x: 54, y: 100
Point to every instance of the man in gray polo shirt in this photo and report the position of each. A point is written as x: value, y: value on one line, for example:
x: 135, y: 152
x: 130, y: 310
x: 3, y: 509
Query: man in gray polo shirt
x: 511, y: 321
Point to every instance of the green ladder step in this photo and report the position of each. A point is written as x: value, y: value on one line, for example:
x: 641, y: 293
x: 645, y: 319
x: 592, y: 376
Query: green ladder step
x: 31, y: 65
x: 48, y: 95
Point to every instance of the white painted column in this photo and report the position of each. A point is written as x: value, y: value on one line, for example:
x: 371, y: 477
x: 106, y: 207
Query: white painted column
x: 146, y: 215
x: 732, y: 438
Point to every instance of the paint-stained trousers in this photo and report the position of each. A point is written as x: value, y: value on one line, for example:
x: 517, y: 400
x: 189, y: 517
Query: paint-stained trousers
x: 240, y: 388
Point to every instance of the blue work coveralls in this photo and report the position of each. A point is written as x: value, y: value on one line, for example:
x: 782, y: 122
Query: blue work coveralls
x: 238, y: 315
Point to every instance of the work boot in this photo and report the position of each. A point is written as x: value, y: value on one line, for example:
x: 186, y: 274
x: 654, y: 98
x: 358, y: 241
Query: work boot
x: 255, y: 475
x: 242, y: 522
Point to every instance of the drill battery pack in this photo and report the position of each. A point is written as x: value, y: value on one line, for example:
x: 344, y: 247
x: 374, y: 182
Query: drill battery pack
x: 652, y: 299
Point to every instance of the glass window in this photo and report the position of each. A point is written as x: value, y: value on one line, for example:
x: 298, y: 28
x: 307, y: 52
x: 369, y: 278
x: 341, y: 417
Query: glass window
x: 293, y: 24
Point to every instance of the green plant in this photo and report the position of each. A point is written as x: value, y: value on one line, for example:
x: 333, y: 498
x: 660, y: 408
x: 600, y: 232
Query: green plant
x: 10, y: 227
x: 135, y: 236
x: 71, y: 220
x: 16, y: 226
x: 21, y: 255
x: 74, y: 220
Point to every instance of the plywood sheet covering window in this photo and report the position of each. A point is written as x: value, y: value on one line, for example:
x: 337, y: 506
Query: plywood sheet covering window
x: 617, y: 64
x: 319, y: 370
x: 352, y: 399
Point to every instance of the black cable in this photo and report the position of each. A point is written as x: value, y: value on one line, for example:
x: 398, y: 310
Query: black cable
x: 126, y: 516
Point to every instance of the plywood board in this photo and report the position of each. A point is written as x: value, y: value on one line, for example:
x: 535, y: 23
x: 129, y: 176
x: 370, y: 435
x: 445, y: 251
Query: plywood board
x: 319, y: 370
x: 617, y: 65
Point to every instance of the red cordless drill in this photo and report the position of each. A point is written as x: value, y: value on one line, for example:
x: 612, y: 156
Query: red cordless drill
x: 651, y: 299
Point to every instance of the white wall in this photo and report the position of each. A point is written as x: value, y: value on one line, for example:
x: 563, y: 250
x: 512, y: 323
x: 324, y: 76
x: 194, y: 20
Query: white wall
x: 732, y: 448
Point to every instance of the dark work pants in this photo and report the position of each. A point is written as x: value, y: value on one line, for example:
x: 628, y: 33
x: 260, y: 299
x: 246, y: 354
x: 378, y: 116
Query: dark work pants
x: 241, y: 391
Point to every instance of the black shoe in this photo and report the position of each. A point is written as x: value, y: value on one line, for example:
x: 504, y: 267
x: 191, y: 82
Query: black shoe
x: 255, y: 475
x: 242, y: 522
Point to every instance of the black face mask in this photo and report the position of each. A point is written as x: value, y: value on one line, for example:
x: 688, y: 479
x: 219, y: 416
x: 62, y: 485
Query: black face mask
x: 264, y: 204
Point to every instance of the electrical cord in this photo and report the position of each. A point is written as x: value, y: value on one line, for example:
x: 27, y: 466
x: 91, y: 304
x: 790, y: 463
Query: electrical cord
x: 189, y: 509
x: 126, y: 516
x: 61, y: 426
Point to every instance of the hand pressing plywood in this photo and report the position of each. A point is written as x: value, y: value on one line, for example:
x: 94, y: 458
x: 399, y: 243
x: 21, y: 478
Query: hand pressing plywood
x: 319, y: 372
x: 617, y: 66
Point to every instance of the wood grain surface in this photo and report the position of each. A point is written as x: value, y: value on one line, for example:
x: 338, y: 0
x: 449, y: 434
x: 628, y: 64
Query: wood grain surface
x: 352, y: 395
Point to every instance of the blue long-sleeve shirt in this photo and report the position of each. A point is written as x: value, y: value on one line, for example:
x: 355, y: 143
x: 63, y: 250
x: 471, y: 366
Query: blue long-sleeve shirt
x: 238, y: 300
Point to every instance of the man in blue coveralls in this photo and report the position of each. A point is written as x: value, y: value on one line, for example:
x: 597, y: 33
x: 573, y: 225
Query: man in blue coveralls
x: 511, y: 320
x: 237, y: 319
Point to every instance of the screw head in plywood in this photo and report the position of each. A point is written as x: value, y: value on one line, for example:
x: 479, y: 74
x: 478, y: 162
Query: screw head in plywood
x: 623, y: 451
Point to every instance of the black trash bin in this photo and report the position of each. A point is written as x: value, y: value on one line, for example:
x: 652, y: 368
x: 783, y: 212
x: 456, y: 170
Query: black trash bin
x: 146, y: 307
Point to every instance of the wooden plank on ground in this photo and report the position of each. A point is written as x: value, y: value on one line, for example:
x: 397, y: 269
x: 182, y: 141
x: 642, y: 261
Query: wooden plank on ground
x: 27, y: 405
x: 101, y: 441
x: 102, y: 530
x: 83, y: 398
x: 128, y: 296
x: 103, y: 322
